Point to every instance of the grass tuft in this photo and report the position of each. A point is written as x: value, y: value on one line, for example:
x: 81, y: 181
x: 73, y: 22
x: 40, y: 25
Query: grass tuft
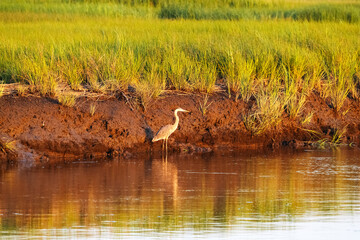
x: 205, y: 105
x: 21, y: 90
x: 266, y: 115
x: 67, y: 99
x: 7, y: 146
x: 37, y: 73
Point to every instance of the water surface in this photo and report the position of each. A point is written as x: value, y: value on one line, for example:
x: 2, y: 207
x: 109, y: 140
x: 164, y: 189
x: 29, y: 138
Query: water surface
x: 282, y: 195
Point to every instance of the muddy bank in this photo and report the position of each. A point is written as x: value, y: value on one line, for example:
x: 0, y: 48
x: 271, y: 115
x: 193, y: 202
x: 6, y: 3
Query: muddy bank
x: 40, y: 128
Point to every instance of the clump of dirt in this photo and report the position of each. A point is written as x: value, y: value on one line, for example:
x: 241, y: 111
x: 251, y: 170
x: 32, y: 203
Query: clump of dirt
x: 41, y: 128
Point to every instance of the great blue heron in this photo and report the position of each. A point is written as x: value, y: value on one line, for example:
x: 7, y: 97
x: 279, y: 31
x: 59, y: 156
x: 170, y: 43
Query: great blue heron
x: 167, y: 130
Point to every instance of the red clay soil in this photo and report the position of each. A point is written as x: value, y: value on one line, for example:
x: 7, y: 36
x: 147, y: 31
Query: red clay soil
x: 41, y: 128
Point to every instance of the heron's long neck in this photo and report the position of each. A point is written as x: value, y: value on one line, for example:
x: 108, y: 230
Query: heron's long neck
x: 176, y: 119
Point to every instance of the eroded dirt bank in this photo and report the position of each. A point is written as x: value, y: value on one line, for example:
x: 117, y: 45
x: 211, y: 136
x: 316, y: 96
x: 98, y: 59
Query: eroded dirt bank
x: 40, y: 128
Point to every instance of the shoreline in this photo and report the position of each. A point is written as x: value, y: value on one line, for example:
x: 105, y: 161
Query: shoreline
x: 40, y: 128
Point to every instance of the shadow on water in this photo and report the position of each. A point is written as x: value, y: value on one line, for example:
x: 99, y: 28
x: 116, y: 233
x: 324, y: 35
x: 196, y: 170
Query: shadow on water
x: 198, y: 192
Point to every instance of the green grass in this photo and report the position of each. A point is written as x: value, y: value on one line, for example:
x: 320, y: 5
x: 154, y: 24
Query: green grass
x: 280, y: 51
x: 320, y: 12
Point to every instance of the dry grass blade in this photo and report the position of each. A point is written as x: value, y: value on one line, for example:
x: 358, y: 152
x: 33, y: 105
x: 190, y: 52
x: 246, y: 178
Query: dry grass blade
x: 92, y: 109
x: 307, y: 119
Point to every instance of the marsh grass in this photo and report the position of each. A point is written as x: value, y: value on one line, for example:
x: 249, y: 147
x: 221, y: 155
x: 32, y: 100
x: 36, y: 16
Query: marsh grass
x: 65, y: 7
x: 267, y: 114
x: 341, y: 81
x: 72, y: 72
x: 179, y: 70
x: 263, y: 10
x: 203, y: 78
x: 295, y: 92
x: 39, y: 76
x: 295, y: 104
x: 239, y: 74
x: 150, y: 86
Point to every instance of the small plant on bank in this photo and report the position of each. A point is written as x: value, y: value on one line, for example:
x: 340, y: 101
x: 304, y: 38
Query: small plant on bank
x: 7, y: 146
x: 21, y: 90
x: 335, y: 140
x: 1, y: 89
x: 92, y: 109
x: 67, y: 99
x: 322, y: 143
x: 205, y: 105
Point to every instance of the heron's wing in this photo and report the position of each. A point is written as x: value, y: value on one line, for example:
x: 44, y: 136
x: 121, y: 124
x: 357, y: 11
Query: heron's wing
x: 164, y: 132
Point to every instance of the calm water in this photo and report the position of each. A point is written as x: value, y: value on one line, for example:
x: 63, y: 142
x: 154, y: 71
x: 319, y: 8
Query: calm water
x: 303, y: 195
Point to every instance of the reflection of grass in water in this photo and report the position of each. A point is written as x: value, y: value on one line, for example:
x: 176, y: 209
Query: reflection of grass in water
x: 272, y: 194
x: 265, y: 190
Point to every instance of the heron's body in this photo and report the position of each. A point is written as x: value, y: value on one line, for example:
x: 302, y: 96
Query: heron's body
x: 164, y: 132
x: 167, y: 130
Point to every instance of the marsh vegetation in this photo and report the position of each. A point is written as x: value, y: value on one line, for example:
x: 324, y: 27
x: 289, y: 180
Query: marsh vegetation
x: 275, y: 53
